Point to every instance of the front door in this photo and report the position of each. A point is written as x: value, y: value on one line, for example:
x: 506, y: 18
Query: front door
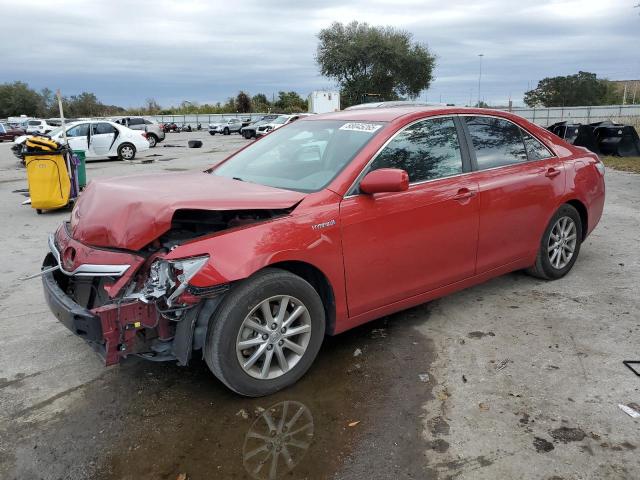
x: 397, y: 245
x: 78, y: 137
x: 102, y: 138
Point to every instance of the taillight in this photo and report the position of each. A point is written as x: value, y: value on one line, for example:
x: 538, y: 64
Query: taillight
x: 144, y: 134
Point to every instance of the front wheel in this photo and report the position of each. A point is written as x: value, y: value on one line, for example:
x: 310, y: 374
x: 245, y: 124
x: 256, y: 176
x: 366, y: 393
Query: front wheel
x: 126, y: 151
x: 226, y: 131
x: 211, y: 133
x: 560, y: 245
x: 266, y: 334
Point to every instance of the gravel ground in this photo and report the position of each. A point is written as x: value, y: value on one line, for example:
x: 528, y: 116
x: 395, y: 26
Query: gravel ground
x: 515, y: 378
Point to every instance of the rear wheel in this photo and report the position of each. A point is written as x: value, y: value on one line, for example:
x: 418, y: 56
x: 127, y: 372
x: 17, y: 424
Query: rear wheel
x: 126, y: 151
x: 247, y: 134
x: 560, y: 245
x: 266, y: 333
x: 152, y: 139
x: 226, y: 130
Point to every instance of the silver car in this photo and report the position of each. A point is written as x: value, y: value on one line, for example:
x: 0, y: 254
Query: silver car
x: 226, y: 127
x: 155, y: 133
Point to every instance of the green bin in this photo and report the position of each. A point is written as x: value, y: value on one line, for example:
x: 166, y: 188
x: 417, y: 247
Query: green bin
x: 82, y: 168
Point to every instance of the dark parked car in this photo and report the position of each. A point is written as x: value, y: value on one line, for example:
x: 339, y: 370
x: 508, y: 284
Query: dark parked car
x: 9, y: 133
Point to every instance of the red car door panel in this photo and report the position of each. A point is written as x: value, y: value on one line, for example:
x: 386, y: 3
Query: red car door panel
x: 397, y: 245
x: 516, y: 202
x: 518, y: 189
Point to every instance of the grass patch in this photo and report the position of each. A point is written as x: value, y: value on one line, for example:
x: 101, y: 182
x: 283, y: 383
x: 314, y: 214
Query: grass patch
x: 626, y: 164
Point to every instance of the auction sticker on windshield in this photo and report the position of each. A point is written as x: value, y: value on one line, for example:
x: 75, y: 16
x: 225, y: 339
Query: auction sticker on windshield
x: 360, y: 127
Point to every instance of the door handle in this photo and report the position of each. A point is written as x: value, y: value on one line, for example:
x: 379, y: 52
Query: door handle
x: 552, y: 172
x: 464, y: 193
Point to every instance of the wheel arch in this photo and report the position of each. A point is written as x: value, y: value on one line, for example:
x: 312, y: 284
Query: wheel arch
x: 318, y: 281
x: 584, y: 214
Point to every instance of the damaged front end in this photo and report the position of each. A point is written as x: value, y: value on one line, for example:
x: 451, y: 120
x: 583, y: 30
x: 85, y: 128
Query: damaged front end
x: 129, y: 303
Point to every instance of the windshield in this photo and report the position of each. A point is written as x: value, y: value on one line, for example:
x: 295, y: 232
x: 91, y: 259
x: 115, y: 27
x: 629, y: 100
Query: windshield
x: 55, y: 132
x: 303, y: 156
x: 279, y: 120
x: 34, y: 122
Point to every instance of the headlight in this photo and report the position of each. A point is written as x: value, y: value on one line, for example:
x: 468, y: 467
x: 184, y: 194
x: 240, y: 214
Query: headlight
x: 172, y: 277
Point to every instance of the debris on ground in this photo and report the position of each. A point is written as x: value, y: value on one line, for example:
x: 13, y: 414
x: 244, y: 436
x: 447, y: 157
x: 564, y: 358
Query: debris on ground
x: 483, y: 406
x: 378, y: 333
x: 464, y: 379
x: 242, y: 413
x: 502, y: 364
x: 629, y: 411
x: 424, y: 377
x: 353, y: 424
x: 357, y: 352
x: 182, y: 476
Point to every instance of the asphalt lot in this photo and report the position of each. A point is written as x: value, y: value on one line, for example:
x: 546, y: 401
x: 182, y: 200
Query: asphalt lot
x: 515, y: 378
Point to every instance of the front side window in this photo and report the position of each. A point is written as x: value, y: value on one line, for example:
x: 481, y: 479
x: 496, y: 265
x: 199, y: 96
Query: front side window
x: 496, y: 142
x: 303, y: 156
x: 535, y: 149
x: 81, y: 130
x: 426, y: 150
x: 102, y: 128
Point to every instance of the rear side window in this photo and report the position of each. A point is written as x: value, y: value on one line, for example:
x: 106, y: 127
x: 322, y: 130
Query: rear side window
x: 34, y: 123
x: 535, y: 149
x: 426, y: 150
x: 102, y: 128
x: 81, y: 130
x: 496, y: 142
x: 136, y: 121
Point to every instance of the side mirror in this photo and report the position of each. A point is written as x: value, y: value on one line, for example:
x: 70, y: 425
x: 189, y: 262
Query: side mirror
x: 385, y: 180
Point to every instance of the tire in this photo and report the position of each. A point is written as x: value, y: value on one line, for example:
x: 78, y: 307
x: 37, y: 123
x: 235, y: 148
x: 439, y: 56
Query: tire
x: 194, y: 143
x: 227, y: 327
x: 126, y: 151
x: 152, y: 139
x: 212, y: 133
x: 565, y: 231
x: 226, y: 130
x: 247, y: 134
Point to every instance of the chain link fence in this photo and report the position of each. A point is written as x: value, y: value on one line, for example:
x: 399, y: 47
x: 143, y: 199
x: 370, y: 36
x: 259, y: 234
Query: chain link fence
x: 627, y: 114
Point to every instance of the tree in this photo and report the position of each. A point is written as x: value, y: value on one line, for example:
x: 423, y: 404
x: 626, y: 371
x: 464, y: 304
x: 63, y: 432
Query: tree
x: 243, y: 102
x: 290, y: 102
x: 583, y: 88
x: 18, y: 99
x: 374, y: 60
x: 151, y: 106
x: 260, y: 103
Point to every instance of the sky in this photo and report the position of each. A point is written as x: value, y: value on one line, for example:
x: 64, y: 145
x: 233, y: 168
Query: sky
x: 126, y: 51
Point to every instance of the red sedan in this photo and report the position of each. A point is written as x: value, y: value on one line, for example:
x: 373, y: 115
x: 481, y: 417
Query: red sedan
x: 9, y: 133
x: 320, y: 226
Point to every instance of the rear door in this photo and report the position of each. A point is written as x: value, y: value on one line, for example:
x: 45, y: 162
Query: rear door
x: 102, y: 138
x: 519, y: 181
x: 400, y: 244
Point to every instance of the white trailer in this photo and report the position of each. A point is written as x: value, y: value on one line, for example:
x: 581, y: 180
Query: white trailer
x: 322, y: 101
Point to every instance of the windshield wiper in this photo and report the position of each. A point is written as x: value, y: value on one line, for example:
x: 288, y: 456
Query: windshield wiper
x: 238, y: 178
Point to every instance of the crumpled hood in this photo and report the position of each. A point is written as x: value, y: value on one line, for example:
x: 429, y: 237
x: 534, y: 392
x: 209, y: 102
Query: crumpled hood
x: 130, y: 212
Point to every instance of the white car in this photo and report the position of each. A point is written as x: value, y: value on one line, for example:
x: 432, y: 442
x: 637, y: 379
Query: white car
x: 39, y: 127
x: 279, y: 121
x: 100, y: 138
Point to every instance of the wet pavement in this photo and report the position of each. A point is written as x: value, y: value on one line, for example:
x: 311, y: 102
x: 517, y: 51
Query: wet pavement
x: 356, y: 410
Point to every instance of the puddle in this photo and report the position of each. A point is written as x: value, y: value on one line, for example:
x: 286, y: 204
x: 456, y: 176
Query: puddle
x: 348, y: 416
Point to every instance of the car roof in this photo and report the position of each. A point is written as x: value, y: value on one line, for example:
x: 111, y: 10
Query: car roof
x: 389, y: 114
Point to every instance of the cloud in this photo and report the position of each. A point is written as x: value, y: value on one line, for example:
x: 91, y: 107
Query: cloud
x: 208, y: 50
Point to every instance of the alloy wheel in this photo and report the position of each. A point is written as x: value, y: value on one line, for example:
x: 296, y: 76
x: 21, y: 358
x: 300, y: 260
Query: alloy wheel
x: 152, y: 141
x: 127, y: 152
x: 273, y: 337
x: 562, y: 242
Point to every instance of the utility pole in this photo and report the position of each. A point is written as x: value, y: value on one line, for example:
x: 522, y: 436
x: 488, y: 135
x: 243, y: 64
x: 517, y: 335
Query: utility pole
x: 624, y: 95
x: 480, y: 79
